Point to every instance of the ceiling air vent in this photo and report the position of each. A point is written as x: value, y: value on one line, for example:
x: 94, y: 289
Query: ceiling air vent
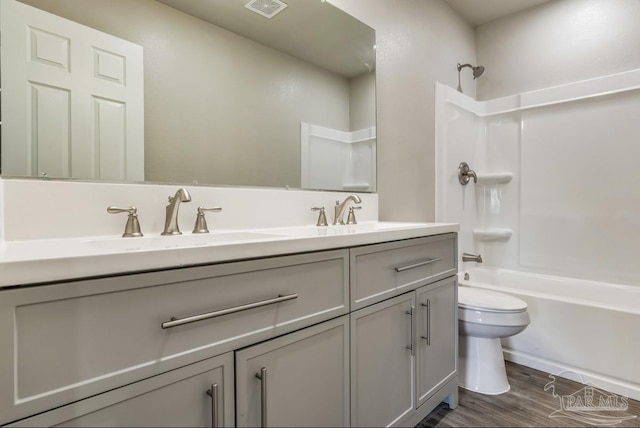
x: 266, y: 8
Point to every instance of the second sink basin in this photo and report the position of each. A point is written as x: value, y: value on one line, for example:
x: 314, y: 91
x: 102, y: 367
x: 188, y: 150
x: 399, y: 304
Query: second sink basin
x: 146, y: 243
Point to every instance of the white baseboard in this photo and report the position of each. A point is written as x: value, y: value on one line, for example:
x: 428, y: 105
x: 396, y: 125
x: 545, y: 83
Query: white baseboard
x: 607, y: 383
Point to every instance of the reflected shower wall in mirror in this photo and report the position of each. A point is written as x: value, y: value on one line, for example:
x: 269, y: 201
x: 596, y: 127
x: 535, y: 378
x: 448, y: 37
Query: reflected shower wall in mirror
x: 227, y: 94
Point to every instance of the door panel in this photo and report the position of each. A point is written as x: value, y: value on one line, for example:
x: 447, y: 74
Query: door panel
x: 306, y: 374
x: 437, y: 342
x: 53, y: 71
x: 381, y: 362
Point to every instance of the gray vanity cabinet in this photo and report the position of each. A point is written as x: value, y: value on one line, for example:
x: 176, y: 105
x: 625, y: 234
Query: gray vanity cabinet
x: 300, y: 379
x: 404, y: 348
x: 416, y: 328
x: 381, y: 362
x: 364, y: 336
x: 198, y: 395
x: 73, y: 340
x: 436, y: 337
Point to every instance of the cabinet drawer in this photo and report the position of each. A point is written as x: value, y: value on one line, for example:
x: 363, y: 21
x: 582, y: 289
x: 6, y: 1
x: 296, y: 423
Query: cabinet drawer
x: 381, y: 271
x: 72, y: 340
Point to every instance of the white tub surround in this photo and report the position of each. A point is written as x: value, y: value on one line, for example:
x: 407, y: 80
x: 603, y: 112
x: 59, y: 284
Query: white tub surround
x: 555, y: 215
x: 556, y: 177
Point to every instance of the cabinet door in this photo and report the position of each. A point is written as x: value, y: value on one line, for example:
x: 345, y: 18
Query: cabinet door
x: 301, y: 379
x: 437, y: 324
x: 381, y: 362
x: 198, y: 395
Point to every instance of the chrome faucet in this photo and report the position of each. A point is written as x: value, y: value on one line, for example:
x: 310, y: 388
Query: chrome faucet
x: 466, y: 257
x: 171, y: 220
x: 340, y: 207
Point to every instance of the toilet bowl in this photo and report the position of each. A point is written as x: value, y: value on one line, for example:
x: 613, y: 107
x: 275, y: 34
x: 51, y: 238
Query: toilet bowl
x: 485, y: 317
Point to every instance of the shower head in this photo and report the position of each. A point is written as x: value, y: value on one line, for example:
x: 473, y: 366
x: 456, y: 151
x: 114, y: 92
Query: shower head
x: 477, y: 72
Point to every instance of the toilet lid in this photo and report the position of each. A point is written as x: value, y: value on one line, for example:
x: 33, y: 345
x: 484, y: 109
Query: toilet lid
x: 488, y: 301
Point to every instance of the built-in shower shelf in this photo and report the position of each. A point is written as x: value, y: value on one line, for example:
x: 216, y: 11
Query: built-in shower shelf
x: 494, y: 177
x: 354, y: 187
x: 492, y: 234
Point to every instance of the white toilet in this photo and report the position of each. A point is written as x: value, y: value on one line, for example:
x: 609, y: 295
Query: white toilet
x: 484, y: 318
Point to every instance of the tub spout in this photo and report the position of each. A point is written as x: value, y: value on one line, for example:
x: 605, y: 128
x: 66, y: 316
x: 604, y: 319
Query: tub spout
x: 466, y: 257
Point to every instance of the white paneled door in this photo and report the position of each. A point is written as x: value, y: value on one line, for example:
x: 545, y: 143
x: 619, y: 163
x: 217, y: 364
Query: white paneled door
x: 72, y: 98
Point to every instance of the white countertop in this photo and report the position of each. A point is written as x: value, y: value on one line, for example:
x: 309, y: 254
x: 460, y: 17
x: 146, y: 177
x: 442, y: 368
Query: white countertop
x: 38, y: 261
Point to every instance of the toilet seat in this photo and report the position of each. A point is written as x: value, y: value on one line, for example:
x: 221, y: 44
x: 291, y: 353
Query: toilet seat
x: 477, y: 299
x: 482, y: 307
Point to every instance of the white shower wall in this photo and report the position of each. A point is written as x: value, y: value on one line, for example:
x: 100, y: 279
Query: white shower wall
x: 573, y: 205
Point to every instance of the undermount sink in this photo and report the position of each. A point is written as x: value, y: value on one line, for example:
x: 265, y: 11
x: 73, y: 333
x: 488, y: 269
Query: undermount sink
x: 179, y: 241
x: 346, y: 229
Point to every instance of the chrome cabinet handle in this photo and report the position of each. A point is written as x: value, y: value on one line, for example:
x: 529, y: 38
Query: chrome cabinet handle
x: 412, y: 347
x: 415, y: 265
x: 428, y: 318
x: 186, y: 320
x: 263, y: 396
x: 213, y: 393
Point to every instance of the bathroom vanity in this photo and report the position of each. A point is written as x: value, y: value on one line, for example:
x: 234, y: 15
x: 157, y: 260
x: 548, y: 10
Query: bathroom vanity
x: 339, y: 326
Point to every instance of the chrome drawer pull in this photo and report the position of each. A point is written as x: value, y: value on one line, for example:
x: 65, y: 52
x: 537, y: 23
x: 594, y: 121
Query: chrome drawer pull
x: 186, y: 320
x: 412, y: 346
x: 263, y: 396
x: 415, y: 265
x: 427, y: 306
x: 213, y: 393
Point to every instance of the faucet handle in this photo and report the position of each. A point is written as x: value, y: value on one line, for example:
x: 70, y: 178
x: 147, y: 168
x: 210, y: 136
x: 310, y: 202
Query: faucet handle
x: 464, y: 174
x: 322, y: 217
x: 201, y: 222
x: 132, y: 228
x: 351, y: 217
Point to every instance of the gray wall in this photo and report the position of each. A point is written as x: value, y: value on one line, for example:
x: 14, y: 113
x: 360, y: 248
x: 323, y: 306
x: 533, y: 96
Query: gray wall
x: 556, y: 43
x: 419, y: 42
x: 362, y: 108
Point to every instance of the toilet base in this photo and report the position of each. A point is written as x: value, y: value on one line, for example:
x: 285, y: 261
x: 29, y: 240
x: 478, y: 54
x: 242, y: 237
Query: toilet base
x: 481, y: 365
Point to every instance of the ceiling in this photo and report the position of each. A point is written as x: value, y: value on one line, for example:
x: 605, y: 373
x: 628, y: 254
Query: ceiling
x: 313, y: 31
x: 478, y: 12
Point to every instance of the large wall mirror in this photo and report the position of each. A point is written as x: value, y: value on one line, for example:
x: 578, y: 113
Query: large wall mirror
x: 219, y: 92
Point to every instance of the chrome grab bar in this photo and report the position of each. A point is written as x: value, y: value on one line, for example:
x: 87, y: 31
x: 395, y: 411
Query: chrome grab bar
x: 415, y: 265
x: 213, y: 393
x: 263, y: 396
x: 186, y: 320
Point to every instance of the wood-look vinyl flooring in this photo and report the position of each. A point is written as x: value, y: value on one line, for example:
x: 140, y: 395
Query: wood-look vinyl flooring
x: 527, y: 404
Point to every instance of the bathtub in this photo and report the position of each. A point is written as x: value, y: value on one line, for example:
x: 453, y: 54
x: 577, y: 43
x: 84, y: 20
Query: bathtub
x: 587, y: 328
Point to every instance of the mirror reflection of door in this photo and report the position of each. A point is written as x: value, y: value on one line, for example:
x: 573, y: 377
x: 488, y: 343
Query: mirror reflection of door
x: 76, y: 97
